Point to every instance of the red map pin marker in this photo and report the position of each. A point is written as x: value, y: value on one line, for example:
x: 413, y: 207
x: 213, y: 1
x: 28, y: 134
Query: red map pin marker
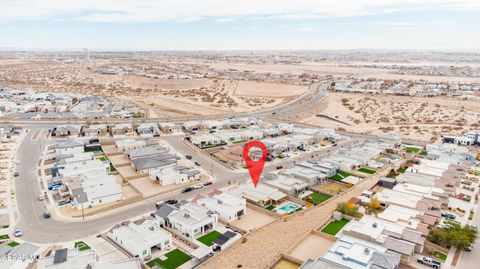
x: 255, y: 167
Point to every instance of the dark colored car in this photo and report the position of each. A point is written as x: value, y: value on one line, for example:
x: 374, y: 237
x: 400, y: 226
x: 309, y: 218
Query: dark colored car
x: 197, y: 163
x: 16, y: 174
x: 207, y: 183
x: 279, y: 167
x: 188, y: 157
x: 171, y: 201
x: 187, y: 189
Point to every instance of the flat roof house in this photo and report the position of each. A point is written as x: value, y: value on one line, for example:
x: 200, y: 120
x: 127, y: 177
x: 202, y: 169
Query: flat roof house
x: 122, y: 129
x: 68, y: 147
x: 192, y: 220
x: 95, y: 130
x: 205, y: 140
x: 76, y: 259
x: 144, y: 165
x: 229, y: 207
x: 173, y: 175
x: 147, y: 129
x: 289, y: 185
x: 354, y: 253
x: 66, y: 130
x: 147, y: 151
x: 262, y: 195
x: 170, y: 127
x: 129, y: 144
x: 138, y: 238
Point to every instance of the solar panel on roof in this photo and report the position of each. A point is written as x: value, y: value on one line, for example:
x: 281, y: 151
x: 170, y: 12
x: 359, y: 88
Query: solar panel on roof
x: 60, y: 255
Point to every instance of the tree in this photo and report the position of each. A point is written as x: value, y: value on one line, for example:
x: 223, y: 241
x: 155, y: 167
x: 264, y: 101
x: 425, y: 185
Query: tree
x: 374, y: 204
x: 453, y: 235
x: 348, y: 209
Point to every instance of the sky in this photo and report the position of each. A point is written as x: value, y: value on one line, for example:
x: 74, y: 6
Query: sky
x: 240, y: 24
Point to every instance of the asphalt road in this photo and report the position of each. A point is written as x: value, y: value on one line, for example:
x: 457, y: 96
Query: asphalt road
x: 471, y: 260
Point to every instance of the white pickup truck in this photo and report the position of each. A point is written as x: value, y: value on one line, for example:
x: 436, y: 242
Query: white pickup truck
x: 429, y: 261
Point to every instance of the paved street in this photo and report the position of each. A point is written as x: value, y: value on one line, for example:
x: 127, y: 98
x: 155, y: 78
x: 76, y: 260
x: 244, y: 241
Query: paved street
x: 471, y: 260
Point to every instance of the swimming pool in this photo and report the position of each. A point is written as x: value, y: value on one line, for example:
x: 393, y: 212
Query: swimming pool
x: 288, y: 208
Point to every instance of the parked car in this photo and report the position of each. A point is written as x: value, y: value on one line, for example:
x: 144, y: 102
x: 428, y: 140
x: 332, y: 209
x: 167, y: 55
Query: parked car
x: 156, y: 135
x: 40, y: 197
x: 448, y: 215
x: 171, y: 201
x: 198, y: 186
x: 188, y: 157
x: 197, y: 163
x: 187, y: 189
x: 279, y: 167
x: 17, y: 232
x: 54, y: 186
x: 429, y: 261
x: 16, y: 174
x: 207, y: 183
x: 63, y: 202
x: 17, y: 161
x: 46, y: 214
x: 159, y: 204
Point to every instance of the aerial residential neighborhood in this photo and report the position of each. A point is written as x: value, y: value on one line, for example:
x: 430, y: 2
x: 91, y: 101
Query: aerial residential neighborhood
x: 239, y: 134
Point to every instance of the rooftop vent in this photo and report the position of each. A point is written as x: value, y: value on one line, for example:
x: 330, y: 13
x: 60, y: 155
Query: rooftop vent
x: 374, y: 225
x: 366, y: 251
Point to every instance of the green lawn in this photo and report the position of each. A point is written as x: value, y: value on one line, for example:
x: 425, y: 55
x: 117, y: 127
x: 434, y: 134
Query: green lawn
x: 270, y: 207
x: 209, y: 238
x: 318, y: 198
x: 102, y: 159
x: 13, y: 244
x: 112, y: 168
x: 402, y: 169
x: 440, y: 255
x: 4, y: 236
x: 175, y: 259
x: 412, y: 149
x: 424, y: 153
x: 340, y: 176
x: 367, y: 171
x: 81, y: 246
x: 334, y: 226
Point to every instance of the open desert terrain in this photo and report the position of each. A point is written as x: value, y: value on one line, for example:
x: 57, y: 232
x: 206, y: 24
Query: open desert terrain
x: 412, y: 117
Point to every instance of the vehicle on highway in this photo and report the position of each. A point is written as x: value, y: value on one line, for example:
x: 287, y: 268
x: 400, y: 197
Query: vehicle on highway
x: 17, y: 232
x: 188, y: 156
x: 279, y: 167
x: 16, y: 174
x: 46, y: 214
x: 17, y: 162
x: 187, y: 189
x: 429, y: 261
x: 198, y: 186
x: 197, y: 163
x: 207, y: 183
x: 40, y: 197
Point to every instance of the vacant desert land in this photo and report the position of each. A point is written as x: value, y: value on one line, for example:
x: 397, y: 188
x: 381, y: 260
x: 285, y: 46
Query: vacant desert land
x: 261, y: 89
x: 413, y: 118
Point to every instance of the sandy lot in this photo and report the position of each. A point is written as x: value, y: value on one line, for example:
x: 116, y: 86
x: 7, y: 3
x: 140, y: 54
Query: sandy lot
x: 109, y: 149
x: 413, y: 118
x: 312, y: 247
x: 127, y: 171
x: 260, y: 89
x: 148, y: 187
x: 253, y: 220
x: 118, y: 160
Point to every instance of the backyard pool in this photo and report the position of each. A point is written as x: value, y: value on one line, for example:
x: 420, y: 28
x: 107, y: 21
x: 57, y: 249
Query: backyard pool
x: 288, y: 208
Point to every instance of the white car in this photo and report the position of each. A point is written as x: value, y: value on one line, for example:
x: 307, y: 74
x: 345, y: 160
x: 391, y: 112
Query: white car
x: 17, y: 232
x: 17, y: 161
x: 41, y: 197
x: 198, y: 186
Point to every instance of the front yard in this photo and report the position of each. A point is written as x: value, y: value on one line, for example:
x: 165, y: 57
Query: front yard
x: 334, y: 226
x: 209, y: 238
x: 412, y: 149
x: 440, y: 255
x: 175, y: 259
